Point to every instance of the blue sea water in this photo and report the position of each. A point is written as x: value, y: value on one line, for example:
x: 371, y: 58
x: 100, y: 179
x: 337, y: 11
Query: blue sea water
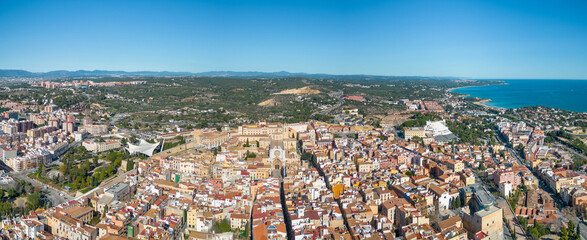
x: 564, y: 94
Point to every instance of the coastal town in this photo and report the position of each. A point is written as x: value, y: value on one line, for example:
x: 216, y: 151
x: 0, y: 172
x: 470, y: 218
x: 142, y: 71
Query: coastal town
x: 293, y: 120
x: 441, y: 167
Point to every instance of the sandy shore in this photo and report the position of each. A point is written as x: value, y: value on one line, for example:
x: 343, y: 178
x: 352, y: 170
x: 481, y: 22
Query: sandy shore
x: 482, y: 104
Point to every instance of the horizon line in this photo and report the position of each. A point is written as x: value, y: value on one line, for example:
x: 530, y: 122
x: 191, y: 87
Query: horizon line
x: 294, y: 73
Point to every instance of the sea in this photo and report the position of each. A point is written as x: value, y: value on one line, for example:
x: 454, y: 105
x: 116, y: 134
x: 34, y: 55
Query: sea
x: 569, y: 95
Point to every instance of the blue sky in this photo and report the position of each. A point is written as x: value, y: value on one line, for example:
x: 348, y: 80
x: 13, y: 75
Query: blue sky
x: 465, y: 38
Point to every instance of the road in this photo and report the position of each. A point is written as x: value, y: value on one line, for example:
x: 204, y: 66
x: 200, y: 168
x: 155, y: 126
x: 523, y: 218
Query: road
x: 583, y: 228
x: 500, y: 202
x: 578, y: 154
x: 542, y: 185
x: 509, y: 215
x: 506, y: 232
x: 55, y: 196
x: 336, y: 95
x: 4, y: 167
x: 119, y: 178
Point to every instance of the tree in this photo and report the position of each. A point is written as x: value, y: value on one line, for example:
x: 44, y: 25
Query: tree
x: 564, y: 234
x: 5, y: 208
x: 571, y: 229
x: 11, y: 193
x: 34, y: 201
x: 523, y: 222
x: 63, y: 168
x: 88, y: 181
x: 534, y: 231
x: 130, y: 165
x: 222, y: 226
x: 28, y: 189
x: 246, y: 231
x: 307, y: 156
x: 40, y: 170
x: 77, y: 182
x: 454, y: 203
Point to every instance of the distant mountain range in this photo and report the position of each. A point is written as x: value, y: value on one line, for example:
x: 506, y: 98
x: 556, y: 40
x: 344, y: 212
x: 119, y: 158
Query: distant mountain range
x: 105, y: 73
x: 84, y: 73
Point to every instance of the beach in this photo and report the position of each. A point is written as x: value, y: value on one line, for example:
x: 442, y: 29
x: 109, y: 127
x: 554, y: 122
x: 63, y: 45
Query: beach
x: 483, y: 102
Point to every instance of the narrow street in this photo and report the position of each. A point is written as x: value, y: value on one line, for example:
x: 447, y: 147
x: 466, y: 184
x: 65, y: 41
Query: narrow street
x: 321, y: 172
x: 559, y: 203
x: 510, y: 216
x: 284, y: 208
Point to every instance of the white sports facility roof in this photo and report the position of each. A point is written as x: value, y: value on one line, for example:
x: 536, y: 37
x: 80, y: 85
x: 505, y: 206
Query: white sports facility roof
x: 144, y: 147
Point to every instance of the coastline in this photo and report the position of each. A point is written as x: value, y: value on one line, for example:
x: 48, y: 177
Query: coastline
x: 483, y: 102
x: 455, y: 88
x: 527, y: 94
x: 452, y: 89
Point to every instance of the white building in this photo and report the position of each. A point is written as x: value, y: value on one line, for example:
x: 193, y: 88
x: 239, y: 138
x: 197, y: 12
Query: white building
x: 505, y: 188
x: 101, y: 146
x: 439, y: 131
x: 31, y: 227
x: 8, y: 153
